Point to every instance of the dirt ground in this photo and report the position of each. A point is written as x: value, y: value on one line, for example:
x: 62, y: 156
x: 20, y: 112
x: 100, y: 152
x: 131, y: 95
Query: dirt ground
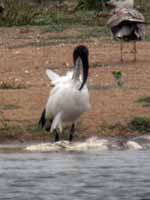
x: 25, y: 54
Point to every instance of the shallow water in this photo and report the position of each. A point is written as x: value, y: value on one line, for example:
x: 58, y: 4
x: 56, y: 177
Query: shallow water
x: 109, y: 175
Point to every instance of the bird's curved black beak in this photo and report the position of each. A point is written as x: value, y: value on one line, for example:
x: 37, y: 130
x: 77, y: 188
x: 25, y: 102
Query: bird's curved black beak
x: 82, y: 52
x: 85, y: 73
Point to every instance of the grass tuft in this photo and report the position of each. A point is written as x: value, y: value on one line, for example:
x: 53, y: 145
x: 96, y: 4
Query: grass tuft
x: 140, y: 124
x: 18, y: 13
x: 145, y: 101
x: 118, y: 78
x: 22, y: 132
x: 8, y: 107
x: 11, y: 85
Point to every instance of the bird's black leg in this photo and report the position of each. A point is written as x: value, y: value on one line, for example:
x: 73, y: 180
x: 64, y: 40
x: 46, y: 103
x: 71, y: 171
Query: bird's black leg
x: 72, y: 130
x: 134, y: 46
x: 56, y: 136
x: 121, y: 51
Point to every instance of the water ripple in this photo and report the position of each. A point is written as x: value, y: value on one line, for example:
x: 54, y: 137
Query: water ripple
x: 110, y: 175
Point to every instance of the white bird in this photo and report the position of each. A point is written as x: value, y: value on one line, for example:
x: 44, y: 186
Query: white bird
x: 120, y: 3
x: 127, y: 24
x: 69, y: 97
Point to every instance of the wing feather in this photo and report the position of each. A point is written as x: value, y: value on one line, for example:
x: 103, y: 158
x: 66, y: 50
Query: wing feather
x: 125, y: 14
x: 54, y: 77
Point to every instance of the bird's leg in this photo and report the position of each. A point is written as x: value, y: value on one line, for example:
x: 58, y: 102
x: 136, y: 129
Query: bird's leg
x: 56, y: 135
x: 121, y: 51
x: 72, y: 130
x: 134, y: 51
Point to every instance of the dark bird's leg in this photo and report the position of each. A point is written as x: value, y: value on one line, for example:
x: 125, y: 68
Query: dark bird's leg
x: 72, y: 130
x: 121, y: 51
x: 134, y: 51
x: 56, y: 135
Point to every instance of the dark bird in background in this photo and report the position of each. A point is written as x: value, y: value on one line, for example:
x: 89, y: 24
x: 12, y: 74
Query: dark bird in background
x: 127, y: 25
x: 2, y: 7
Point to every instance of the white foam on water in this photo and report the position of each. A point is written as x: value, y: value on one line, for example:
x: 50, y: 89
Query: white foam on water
x: 89, y: 145
x: 43, y: 147
x: 133, y: 145
x: 92, y: 144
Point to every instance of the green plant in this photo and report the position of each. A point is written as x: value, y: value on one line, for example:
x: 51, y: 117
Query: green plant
x: 18, y: 12
x: 147, y: 37
x: 118, y: 78
x: 8, y: 107
x: 11, y: 85
x: 2, y: 120
x: 91, y: 4
x: 140, y: 124
x: 145, y: 101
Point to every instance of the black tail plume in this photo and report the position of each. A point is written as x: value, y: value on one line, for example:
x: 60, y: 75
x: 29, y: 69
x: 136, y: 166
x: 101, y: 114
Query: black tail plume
x: 42, y: 120
x: 45, y: 123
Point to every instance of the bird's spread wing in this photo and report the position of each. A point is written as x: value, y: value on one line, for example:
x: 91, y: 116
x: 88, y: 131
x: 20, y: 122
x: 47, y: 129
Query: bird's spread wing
x: 54, y: 77
x: 57, y: 79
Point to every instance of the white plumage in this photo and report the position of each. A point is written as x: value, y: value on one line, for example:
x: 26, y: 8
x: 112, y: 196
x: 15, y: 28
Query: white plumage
x: 69, y: 97
x: 121, y: 3
x: 66, y: 102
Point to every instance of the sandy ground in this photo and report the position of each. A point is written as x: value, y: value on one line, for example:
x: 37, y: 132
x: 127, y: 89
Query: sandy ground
x: 23, y: 61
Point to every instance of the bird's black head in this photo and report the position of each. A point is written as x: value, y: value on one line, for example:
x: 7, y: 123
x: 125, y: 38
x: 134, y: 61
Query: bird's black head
x: 82, y: 52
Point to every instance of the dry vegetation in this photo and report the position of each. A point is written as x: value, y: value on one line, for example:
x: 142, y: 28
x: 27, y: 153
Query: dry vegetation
x: 26, y: 51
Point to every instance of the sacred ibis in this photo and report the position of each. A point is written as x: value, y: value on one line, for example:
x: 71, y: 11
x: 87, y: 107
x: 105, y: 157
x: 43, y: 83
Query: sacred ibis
x: 69, y: 97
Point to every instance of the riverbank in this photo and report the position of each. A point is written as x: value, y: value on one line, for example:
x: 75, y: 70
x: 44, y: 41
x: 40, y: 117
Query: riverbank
x: 24, y: 87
